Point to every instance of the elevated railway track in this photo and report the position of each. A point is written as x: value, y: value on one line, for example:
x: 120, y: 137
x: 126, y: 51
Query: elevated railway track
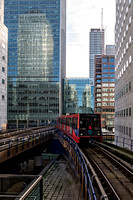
x: 116, y: 176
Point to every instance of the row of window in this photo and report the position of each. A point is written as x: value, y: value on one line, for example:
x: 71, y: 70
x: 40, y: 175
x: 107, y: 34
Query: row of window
x: 105, y: 94
x: 108, y: 110
x: 105, y: 75
x: 122, y: 16
x: 107, y: 60
x: 72, y: 122
x: 105, y: 104
x: 107, y: 66
x: 44, y: 111
x: 124, y: 113
x: 105, y: 80
x: 106, y: 90
x: 123, y: 129
x: 123, y: 91
x: 105, y: 99
x: 107, y: 70
x: 106, y: 85
x: 123, y: 69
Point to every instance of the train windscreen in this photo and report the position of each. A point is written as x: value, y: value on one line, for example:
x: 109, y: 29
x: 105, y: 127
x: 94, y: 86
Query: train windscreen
x: 90, y: 122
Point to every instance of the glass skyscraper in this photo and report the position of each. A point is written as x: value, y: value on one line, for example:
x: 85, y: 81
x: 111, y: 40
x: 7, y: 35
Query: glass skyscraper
x: 36, y: 60
x: 78, y: 96
x: 96, y: 47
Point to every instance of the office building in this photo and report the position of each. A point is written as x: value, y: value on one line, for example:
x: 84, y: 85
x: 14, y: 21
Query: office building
x: 124, y: 73
x: 37, y: 60
x: 104, y: 90
x: 96, y: 47
x: 78, y: 95
x: 110, y: 49
x: 3, y: 68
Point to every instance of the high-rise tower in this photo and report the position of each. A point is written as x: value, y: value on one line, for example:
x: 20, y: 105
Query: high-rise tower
x: 37, y: 60
x: 96, y: 47
x: 3, y: 68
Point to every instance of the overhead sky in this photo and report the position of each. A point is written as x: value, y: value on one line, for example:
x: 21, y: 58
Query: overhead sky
x: 82, y: 15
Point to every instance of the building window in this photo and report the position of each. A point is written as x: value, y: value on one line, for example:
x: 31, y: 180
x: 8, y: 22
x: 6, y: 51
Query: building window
x: 129, y: 85
x: 3, y: 97
x: 3, y: 57
x: 105, y: 60
x: 127, y: 88
x: 112, y: 70
x: 98, y: 104
x: 130, y: 112
x: 105, y: 75
x: 3, y: 81
x: 127, y: 112
x: 3, y: 69
x: 98, y: 76
x: 130, y: 132
x: 124, y: 112
x: 105, y: 66
x: 112, y: 60
x: 98, y: 81
x: 112, y: 75
x: 112, y: 85
x: 105, y: 70
x: 112, y: 66
x: 112, y: 80
x: 105, y: 85
x: 126, y: 130
x: 105, y: 80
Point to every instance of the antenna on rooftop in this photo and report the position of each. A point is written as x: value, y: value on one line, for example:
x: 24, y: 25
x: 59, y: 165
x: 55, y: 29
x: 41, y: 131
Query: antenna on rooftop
x: 102, y: 18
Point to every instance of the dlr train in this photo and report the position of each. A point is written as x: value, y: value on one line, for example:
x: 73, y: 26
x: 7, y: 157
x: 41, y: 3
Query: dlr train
x: 81, y: 127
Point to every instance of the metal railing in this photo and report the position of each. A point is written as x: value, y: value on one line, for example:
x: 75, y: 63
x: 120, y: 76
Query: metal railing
x: 76, y: 158
x: 24, y: 141
x: 124, y: 142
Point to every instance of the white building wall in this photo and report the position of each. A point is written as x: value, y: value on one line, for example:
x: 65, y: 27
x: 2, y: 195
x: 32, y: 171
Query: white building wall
x: 3, y: 68
x: 124, y: 74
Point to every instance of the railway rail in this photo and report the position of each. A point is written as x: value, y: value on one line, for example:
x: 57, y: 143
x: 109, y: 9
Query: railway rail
x: 115, y: 176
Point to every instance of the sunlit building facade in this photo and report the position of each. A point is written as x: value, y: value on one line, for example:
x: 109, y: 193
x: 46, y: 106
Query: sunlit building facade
x: 3, y: 68
x: 104, y: 90
x: 78, y: 96
x: 124, y: 74
x: 110, y: 49
x: 37, y: 62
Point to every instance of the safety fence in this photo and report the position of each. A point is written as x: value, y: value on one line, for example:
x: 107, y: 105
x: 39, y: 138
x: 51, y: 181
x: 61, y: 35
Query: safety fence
x: 76, y: 157
x: 124, y: 142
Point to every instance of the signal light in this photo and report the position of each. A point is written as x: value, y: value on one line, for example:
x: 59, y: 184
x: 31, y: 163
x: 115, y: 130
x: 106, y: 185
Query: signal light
x: 90, y: 127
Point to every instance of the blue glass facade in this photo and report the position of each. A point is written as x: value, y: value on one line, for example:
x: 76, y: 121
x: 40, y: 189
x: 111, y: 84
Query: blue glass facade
x: 78, y: 95
x: 35, y: 66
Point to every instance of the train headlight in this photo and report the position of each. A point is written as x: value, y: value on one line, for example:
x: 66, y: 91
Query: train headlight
x: 81, y: 134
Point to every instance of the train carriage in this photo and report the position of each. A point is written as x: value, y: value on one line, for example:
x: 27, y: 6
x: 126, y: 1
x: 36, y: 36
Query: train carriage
x: 81, y: 127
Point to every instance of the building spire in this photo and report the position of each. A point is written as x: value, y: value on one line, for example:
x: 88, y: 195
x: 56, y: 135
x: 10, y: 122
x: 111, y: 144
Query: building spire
x: 101, y: 18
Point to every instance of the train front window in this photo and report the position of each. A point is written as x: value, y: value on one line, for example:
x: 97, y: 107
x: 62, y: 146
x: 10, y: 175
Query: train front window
x: 89, y: 123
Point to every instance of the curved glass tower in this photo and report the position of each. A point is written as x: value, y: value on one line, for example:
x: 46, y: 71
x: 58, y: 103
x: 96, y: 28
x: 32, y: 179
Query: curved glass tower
x: 36, y: 60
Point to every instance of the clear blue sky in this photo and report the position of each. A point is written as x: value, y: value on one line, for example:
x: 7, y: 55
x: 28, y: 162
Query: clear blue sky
x: 82, y: 15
